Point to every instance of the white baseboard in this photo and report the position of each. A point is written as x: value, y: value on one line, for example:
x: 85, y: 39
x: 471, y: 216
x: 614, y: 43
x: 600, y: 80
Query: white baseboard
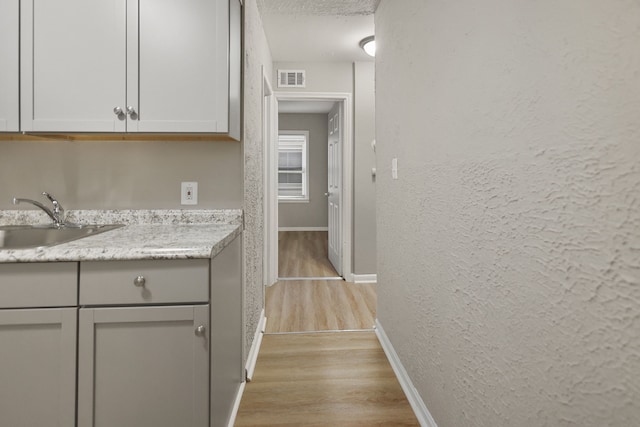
x: 236, y: 405
x: 364, y: 278
x: 303, y: 228
x: 252, y: 358
x: 417, y: 404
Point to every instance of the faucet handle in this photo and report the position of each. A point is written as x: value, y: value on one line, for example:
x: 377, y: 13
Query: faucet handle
x: 50, y: 197
x: 57, y: 208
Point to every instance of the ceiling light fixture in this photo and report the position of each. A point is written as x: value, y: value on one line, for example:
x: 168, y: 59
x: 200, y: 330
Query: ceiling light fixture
x: 368, y: 44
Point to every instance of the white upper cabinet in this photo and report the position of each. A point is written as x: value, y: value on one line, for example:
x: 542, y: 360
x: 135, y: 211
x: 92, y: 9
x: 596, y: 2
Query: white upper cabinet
x: 73, y: 65
x: 9, y: 70
x: 125, y: 66
x: 181, y: 86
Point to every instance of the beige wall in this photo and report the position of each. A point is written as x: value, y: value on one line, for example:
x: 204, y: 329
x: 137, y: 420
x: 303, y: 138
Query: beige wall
x: 121, y: 174
x: 509, y: 245
x: 314, y: 213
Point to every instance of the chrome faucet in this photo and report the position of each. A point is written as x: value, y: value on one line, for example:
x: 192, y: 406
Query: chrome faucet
x: 56, y: 214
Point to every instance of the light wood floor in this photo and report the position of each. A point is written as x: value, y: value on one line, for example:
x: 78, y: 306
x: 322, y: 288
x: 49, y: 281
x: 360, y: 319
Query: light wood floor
x: 324, y: 379
x: 319, y: 305
x: 304, y: 254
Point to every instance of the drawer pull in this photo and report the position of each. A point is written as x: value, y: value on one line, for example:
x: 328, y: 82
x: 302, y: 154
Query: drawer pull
x: 200, y: 330
x: 139, y: 281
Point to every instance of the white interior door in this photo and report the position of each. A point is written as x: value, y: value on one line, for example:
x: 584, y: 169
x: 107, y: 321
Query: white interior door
x: 335, y: 187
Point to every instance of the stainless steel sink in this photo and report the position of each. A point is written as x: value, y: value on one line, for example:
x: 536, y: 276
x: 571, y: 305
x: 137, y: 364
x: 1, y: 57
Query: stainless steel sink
x: 29, y: 236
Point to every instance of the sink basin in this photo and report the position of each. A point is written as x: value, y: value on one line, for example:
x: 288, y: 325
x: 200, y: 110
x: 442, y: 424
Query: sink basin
x: 28, y: 236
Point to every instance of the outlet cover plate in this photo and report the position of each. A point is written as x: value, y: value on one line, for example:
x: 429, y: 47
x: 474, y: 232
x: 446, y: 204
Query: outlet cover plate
x: 189, y: 193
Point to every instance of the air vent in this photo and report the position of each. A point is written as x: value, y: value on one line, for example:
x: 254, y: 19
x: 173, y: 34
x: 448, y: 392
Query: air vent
x: 291, y: 78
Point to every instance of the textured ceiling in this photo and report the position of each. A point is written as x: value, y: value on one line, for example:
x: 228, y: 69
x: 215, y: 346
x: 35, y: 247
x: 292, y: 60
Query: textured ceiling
x: 319, y: 7
x: 317, y: 30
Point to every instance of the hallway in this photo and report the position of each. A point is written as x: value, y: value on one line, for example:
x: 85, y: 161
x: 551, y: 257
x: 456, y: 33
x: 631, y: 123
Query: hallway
x: 319, y: 305
x: 320, y: 362
x: 324, y: 379
x: 304, y: 254
x: 302, y: 301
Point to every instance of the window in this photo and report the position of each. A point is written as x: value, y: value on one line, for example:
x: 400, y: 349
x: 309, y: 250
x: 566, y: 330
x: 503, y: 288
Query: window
x: 293, y: 158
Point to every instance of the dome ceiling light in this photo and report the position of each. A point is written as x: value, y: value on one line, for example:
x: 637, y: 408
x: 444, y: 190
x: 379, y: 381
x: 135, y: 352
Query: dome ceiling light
x: 368, y: 44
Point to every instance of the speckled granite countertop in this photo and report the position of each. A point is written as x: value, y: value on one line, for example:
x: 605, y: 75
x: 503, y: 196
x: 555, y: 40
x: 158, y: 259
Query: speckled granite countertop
x: 147, y: 234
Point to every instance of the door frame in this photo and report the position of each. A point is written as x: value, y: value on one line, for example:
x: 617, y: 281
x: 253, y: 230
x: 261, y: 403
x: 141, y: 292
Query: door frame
x: 270, y: 202
x: 271, y: 184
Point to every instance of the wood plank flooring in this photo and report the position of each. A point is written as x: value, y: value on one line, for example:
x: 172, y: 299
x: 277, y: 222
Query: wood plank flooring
x: 304, y: 254
x: 324, y: 379
x: 319, y: 305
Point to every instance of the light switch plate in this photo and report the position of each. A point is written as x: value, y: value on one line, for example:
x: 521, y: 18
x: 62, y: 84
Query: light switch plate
x: 394, y: 168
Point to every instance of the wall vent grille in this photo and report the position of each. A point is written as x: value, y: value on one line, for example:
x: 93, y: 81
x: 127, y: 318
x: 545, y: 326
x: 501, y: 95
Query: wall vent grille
x: 291, y: 78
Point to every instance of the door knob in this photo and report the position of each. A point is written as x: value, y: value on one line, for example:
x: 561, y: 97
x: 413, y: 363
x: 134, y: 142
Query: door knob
x: 200, y: 330
x: 139, y: 281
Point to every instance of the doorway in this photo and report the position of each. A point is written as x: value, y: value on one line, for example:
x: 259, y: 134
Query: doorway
x: 308, y: 209
x: 308, y: 293
x: 341, y: 227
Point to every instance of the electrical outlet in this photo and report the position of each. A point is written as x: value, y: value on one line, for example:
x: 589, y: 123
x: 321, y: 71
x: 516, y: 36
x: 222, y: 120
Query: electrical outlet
x: 189, y: 193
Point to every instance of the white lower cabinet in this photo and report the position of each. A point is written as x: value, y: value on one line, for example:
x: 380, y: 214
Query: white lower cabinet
x: 143, y: 366
x: 154, y: 343
x: 38, y: 367
x: 38, y: 319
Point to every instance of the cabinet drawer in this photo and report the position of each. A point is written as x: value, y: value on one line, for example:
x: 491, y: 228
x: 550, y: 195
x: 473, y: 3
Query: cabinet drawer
x: 144, y: 282
x: 38, y: 284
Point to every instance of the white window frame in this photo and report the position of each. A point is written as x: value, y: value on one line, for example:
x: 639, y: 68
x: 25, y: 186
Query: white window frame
x: 304, y: 198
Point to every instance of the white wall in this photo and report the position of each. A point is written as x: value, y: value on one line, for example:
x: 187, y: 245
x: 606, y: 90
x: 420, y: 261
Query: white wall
x: 320, y: 76
x: 364, y: 200
x: 358, y: 80
x: 256, y: 56
x: 314, y: 213
x: 509, y: 246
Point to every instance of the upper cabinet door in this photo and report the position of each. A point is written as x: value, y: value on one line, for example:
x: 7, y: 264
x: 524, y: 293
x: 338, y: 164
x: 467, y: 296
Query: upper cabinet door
x: 9, y: 70
x: 73, y: 65
x: 178, y: 66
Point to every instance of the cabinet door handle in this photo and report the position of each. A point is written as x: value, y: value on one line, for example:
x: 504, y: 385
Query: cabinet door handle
x: 119, y: 113
x: 132, y: 112
x: 139, y: 281
x: 200, y: 330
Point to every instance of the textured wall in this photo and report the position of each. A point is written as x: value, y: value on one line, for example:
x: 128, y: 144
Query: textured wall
x: 121, y: 174
x: 315, y: 212
x: 315, y: 7
x: 256, y: 55
x: 509, y: 247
